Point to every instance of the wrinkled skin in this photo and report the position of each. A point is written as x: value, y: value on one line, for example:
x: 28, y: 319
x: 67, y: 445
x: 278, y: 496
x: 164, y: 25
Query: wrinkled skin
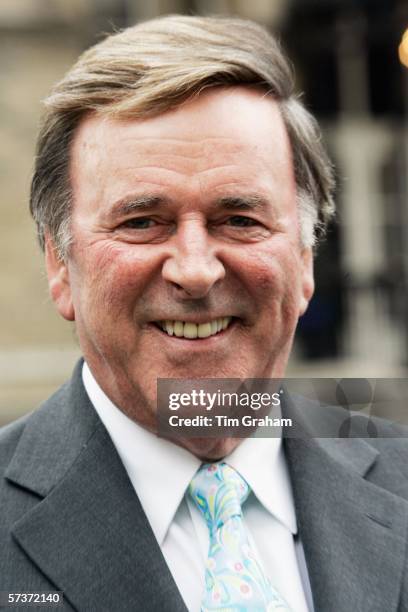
x: 184, y: 252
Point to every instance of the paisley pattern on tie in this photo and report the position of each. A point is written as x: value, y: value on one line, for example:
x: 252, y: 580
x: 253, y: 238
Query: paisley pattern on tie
x: 234, y: 579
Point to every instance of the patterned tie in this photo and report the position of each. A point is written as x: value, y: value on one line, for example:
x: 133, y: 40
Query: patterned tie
x: 234, y: 579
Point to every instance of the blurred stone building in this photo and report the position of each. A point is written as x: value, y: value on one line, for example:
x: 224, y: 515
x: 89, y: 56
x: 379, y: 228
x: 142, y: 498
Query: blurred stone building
x: 346, y: 58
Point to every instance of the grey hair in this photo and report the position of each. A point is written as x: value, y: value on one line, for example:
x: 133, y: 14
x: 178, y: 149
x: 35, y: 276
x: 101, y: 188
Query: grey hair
x: 153, y: 67
x: 308, y: 220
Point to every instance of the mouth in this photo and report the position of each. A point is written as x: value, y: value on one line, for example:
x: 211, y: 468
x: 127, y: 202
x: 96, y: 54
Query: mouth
x: 193, y: 331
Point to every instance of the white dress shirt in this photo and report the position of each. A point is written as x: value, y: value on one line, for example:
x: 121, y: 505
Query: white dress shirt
x: 160, y: 473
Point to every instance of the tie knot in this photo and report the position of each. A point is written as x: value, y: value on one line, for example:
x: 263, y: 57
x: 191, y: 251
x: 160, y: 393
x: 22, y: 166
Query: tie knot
x: 218, y: 491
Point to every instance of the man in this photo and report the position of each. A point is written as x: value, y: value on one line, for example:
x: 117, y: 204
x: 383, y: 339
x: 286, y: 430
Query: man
x: 178, y: 191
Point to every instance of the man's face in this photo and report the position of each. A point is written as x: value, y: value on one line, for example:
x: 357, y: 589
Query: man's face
x: 187, y: 218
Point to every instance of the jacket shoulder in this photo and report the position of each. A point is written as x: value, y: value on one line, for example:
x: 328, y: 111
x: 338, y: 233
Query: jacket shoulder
x: 10, y: 435
x: 9, y: 438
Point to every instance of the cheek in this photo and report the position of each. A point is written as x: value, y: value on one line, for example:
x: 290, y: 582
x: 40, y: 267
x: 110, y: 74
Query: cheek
x: 111, y: 277
x: 274, y: 276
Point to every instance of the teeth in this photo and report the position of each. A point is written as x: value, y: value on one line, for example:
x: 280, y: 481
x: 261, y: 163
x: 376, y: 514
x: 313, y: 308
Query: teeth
x: 204, y: 330
x: 192, y: 330
x: 178, y: 328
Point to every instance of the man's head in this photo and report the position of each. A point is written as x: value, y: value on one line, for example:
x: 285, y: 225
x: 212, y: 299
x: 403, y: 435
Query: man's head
x: 178, y: 184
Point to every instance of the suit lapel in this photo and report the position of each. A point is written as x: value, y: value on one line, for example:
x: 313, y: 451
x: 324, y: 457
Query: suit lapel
x: 353, y: 532
x: 89, y: 535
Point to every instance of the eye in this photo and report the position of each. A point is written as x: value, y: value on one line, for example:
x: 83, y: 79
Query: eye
x: 140, y: 223
x: 241, y: 221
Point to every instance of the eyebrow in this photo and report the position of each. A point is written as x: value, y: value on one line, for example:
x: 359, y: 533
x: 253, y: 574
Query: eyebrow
x: 247, y: 202
x: 132, y: 204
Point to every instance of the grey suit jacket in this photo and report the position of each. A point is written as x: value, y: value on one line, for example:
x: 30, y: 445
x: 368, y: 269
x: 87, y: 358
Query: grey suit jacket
x: 70, y: 520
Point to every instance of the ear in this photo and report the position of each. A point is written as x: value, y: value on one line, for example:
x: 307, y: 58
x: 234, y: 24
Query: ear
x: 58, y: 280
x: 307, y: 287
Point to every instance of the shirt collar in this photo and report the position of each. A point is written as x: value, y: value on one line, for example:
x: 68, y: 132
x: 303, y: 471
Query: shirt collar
x: 161, y: 471
x: 261, y: 461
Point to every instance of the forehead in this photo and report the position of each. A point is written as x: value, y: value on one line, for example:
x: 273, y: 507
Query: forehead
x: 235, y: 134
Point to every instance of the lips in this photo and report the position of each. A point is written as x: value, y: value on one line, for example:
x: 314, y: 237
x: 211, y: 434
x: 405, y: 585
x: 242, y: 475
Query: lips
x: 192, y: 331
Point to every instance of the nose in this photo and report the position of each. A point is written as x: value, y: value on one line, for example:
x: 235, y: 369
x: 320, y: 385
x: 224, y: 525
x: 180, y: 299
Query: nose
x: 193, y: 267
